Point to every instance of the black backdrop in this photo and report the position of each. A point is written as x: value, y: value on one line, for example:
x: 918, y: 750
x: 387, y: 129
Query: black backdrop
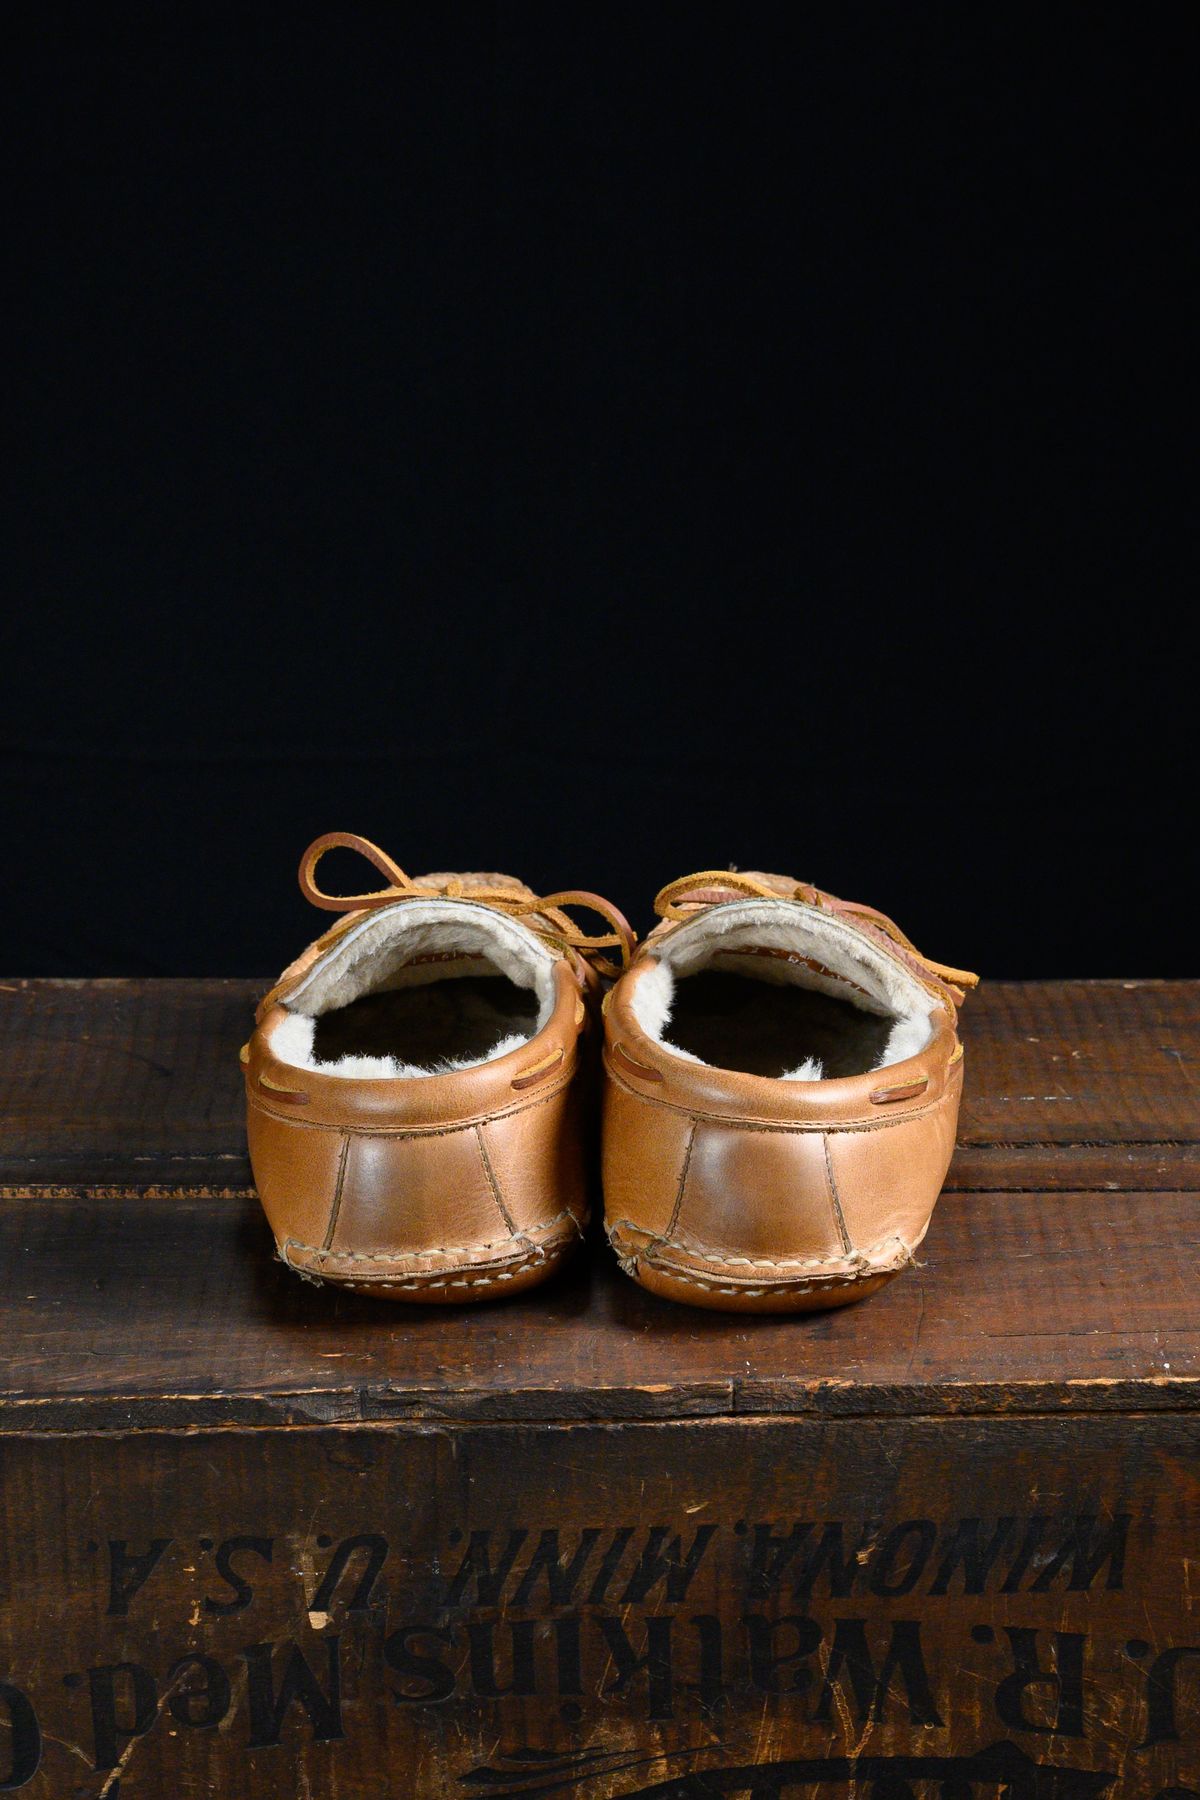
x: 599, y: 442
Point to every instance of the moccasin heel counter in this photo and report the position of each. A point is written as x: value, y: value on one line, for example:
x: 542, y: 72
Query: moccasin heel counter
x: 401, y: 1192
x: 759, y: 1203
x: 464, y: 1212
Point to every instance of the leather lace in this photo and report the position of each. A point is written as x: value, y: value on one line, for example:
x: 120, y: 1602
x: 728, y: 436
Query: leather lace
x: 714, y: 887
x: 545, y: 916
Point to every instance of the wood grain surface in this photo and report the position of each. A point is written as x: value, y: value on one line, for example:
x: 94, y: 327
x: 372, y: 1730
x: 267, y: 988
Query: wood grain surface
x: 903, y: 1609
x: 126, y: 1201
x: 137, y: 1083
x: 266, y: 1541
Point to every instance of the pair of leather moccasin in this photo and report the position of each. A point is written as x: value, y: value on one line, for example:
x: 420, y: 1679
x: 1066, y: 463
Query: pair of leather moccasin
x: 781, y: 1075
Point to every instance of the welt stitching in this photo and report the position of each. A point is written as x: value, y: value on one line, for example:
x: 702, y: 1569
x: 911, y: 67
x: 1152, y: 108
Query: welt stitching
x: 418, y: 1285
x: 337, y: 1192
x: 752, y: 1293
x: 690, y: 1247
x: 734, y: 1124
x: 412, y: 1131
x: 430, y: 1249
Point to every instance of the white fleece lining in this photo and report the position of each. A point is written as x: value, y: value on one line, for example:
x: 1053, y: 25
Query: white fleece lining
x: 292, y: 1042
x: 380, y: 953
x: 859, y: 971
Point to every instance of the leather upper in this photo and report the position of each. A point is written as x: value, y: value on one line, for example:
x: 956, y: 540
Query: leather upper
x: 721, y: 1187
x: 448, y: 1186
x: 731, y: 1189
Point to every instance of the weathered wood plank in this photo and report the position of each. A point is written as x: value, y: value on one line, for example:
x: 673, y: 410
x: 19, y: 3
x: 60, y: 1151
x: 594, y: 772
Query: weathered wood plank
x: 892, y: 1609
x: 136, y: 1084
x: 120, y: 1313
x: 985, y: 1479
x: 130, y: 1082
x: 1056, y: 1168
x: 1083, y: 1063
x: 154, y: 1300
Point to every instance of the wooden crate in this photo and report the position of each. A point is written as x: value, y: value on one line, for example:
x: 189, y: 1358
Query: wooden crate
x: 264, y: 1539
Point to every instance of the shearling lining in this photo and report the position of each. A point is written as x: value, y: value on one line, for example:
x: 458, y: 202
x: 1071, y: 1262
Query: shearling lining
x: 414, y: 944
x: 811, y: 949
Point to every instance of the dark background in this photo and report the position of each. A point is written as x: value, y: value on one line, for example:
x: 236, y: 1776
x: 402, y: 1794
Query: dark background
x: 600, y: 442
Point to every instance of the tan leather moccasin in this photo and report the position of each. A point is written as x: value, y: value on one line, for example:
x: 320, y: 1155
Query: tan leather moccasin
x: 783, y: 1078
x: 413, y: 1086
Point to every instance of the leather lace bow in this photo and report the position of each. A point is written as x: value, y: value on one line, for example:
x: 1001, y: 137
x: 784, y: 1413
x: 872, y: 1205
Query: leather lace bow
x: 713, y: 887
x: 545, y: 916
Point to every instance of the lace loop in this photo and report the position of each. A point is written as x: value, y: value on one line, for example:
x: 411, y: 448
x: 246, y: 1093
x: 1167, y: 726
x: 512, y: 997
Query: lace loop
x: 544, y: 916
x: 392, y: 873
